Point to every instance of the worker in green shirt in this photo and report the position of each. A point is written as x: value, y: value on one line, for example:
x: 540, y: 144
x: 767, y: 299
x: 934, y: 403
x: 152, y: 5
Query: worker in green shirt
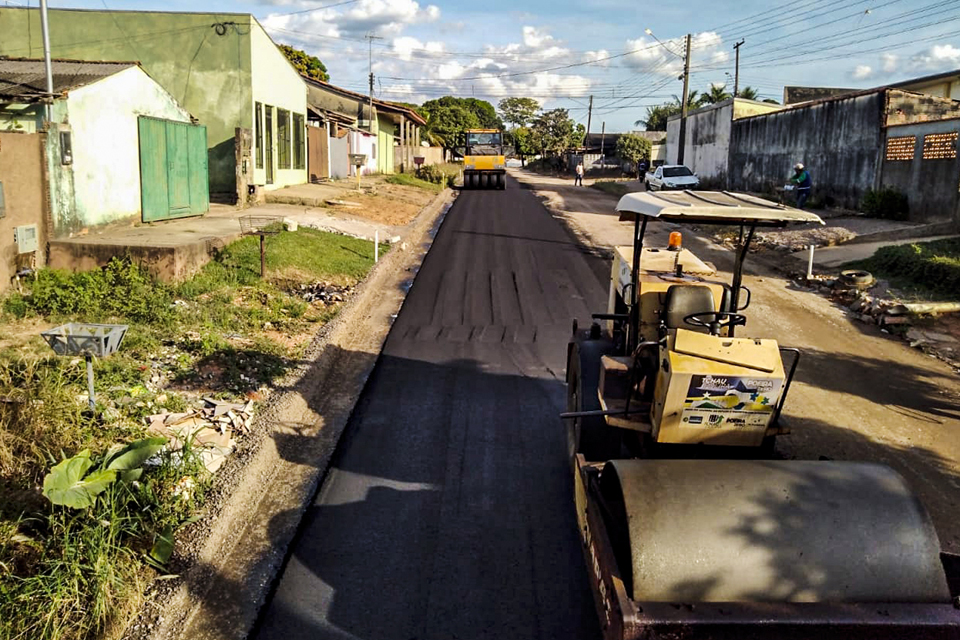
x: 801, y: 178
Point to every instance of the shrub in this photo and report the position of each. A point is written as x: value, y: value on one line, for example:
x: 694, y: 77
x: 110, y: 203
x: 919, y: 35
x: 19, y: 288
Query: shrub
x: 932, y: 266
x: 886, y: 203
x: 436, y: 174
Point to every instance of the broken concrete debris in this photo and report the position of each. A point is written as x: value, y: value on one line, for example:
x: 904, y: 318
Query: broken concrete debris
x: 212, y: 430
x: 324, y: 292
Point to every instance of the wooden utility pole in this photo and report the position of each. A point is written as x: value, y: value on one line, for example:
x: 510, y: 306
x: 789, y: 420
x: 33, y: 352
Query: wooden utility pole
x: 371, y: 38
x: 736, y: 73
x: 603, y: 133
x: 683, y: 107
x: 589, y: 117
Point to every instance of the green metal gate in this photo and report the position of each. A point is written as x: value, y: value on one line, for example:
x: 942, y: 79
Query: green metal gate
x: 174, y: 182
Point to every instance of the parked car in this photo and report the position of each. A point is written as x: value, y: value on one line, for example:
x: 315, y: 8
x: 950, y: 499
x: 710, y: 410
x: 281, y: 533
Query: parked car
x: 671, y: 176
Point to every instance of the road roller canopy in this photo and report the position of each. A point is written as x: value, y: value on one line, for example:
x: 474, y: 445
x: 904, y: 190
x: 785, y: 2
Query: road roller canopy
x: 711, y: 207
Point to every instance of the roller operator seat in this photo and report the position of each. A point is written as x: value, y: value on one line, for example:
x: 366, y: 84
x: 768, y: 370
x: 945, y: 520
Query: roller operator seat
x: 683, y: 300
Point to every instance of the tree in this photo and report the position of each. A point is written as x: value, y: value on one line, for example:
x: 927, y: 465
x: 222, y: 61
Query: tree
x: 694, y: 99
x: 306, y: 64
x: 518, y: 111
x: 770, y: 101
x: 633, y: 148
x: 717, y: 93
x: 748, y: 93
x: 554, y: 131
x: 657, y: 116
x: 524, y: 143
x: 446, y: 122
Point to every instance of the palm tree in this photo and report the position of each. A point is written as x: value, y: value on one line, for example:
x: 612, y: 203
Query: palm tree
x: 694, y: 99
x: 748, y: 93
x: 717, y: 93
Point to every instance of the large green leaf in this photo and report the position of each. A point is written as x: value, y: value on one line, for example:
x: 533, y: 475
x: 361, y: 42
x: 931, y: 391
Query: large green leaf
x: 162, y: 547
x: 67, y: 483
x: 135, y: 454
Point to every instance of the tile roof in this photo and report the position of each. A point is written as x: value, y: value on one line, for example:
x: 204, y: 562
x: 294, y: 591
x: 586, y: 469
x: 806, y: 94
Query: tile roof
x: 25, y: 79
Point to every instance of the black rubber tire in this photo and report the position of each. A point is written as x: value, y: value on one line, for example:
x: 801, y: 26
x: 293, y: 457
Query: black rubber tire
x: 474, y: 180
x: 590, y: 435
x: 484, y: 180
x: 502, y: 181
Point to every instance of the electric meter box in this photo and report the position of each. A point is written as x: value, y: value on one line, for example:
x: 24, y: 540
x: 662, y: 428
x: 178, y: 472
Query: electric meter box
x: 26, y: 238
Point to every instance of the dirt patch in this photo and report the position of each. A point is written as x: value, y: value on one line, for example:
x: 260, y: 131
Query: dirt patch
x: 390, y: 204
x: 227, y: 560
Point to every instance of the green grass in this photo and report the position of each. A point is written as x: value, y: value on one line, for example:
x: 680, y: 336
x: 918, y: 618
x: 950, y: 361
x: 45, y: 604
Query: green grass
x: 928, y: 269
x: 609, y: 186
x: 409, y: 180
x: 78, y: 575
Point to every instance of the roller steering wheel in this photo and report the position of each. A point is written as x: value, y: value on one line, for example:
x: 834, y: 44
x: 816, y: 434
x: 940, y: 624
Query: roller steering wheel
x: 716, y: 320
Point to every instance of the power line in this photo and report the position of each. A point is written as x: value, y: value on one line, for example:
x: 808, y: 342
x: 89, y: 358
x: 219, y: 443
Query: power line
x: 320, y: 8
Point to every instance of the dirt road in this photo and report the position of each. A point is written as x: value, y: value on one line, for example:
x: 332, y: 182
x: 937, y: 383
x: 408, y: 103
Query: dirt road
x: 859, y: 395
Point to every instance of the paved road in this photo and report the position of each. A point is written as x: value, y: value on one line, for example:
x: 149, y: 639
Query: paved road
x: 448, y: 512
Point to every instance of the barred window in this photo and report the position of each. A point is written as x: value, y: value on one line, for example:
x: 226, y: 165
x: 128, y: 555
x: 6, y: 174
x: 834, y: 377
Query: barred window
x: 901, y: 148
x: 940, y: 146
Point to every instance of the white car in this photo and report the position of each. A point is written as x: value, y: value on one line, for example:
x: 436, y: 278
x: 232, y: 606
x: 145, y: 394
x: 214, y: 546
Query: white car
x: 671, y: 176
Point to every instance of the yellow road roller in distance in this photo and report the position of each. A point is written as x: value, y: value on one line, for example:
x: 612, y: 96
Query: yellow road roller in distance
x: 484, y: 164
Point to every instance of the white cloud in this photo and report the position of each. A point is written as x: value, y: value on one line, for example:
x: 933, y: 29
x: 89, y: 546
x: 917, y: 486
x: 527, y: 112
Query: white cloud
x: 409, y: 48
x: 862, y: 72
x: 937, y: 57
x: 667, y: 58
x: 600, y: 57
x: 533, y: 37
x: 382, y: 17
x: 890, y: 62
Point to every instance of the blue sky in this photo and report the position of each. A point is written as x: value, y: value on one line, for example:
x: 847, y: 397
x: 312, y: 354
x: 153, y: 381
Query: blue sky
x: 562, y: 52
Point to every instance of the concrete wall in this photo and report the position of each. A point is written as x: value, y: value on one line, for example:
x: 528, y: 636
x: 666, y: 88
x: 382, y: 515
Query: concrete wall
x: 106, y: 151
x: 326, y: 99
x: 21, y: 172
x: 930, y: 184
x: 208, y: 73
x: 275, y: 82
x: 839, y: 141
x: 948, y: 87
x: 431, y: 155
x: 910, y: 108
x: 361, y: 142
x: 707, y: 147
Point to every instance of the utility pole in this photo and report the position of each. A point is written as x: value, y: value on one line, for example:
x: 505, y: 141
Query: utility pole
x: 603, y: 134
x: 48, y: 67
x: 683, y: 107
x: 589, y: 118
x: 736, y: 74
x: 371, y: 38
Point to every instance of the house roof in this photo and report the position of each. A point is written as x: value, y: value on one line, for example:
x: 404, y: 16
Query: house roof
x: 380, y: 104
x: 947, y: 75
x: 24, y: 79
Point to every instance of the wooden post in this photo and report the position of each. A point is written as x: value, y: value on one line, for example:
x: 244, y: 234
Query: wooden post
x: 403, y: 142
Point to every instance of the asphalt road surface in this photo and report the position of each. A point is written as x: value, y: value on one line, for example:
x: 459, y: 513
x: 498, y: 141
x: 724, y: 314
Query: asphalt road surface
x: 448, y: 510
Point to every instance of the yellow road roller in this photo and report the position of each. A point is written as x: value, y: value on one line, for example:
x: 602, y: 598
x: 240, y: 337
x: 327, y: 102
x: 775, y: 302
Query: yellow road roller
x: 484, y: 163
x: 690, y: 529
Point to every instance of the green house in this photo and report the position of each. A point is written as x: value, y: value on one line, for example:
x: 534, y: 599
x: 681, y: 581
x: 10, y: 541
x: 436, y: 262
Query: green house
x: 221, y: 67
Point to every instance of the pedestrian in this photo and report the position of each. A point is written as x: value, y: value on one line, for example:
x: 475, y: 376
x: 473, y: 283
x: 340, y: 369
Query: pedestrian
x: 801, y: 178
x: 578, y: 180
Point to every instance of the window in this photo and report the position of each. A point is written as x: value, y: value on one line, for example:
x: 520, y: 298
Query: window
x: 299, y: 156
x: 283, y: 139
x: 258, y: 117
x: 940, y: 146
x: 901, y: 148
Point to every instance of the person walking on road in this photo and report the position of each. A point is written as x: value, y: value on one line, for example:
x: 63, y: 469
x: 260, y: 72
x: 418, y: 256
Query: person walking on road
x: 801, y: 178
x: 578, y: 179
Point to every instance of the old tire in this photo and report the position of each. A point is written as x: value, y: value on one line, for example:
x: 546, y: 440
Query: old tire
x: 590, y: 436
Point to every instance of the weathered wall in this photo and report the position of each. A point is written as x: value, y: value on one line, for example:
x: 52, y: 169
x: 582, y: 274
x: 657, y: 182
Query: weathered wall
x: 931, y: 183
x: 276, y: 83
x: 838, y: 140
x: 21, y: 172
x: 431, y: 155
x: 28, y: 119
x: 106, y: 150
x: 948, y: 87
x: 707, y: 147
x: 208, y: 73
x: 910, y: 108
x: 326, y: 99
x: 339, y: 158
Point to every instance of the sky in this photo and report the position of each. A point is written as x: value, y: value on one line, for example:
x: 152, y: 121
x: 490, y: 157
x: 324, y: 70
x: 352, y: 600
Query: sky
x: 560, y: 52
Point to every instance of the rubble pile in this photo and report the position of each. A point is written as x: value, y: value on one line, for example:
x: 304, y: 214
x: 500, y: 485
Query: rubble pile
x: 212, y: 430
x: 324, y: 292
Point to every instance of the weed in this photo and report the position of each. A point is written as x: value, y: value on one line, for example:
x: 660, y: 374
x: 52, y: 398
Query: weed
x: 886, y: 203
x: 931, y: 267
x: 408, y: 180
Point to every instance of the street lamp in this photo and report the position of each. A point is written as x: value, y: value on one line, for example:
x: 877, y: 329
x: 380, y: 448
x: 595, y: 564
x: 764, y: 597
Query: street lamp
x: 651, y: 34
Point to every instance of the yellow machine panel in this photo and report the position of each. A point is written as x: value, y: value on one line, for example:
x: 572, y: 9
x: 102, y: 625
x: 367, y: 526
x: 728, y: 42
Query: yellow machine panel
x: 657, y: 274
x: 717, y: 390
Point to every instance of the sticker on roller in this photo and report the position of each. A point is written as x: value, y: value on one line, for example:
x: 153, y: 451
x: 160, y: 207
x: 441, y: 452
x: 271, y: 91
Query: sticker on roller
x: 730, y: 402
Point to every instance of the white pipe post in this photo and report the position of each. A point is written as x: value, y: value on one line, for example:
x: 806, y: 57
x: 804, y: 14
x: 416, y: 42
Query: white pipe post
x: 376, y: 246
x: 47, y: 66
x: 810, y: 264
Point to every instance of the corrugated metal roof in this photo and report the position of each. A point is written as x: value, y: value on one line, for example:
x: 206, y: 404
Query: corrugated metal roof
x: 24, y: 79
x: 710, y: 207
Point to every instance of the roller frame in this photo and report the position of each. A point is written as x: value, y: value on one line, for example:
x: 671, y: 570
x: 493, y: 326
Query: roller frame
x: 622, y: 618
